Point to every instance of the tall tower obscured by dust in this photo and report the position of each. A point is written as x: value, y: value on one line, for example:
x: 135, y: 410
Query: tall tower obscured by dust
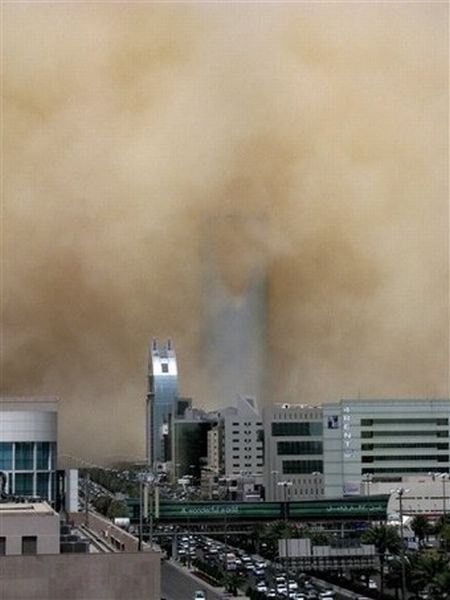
x: 234, y: 298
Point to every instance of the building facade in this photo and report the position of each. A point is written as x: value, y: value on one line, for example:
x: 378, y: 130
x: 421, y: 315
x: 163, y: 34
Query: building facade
x: 243, y: 440
x: 161, y: 401
x: 234, y: 308
x: 293, y: 451
x: 383, y: 440
x: 28, y: 445
x: 28, y: 528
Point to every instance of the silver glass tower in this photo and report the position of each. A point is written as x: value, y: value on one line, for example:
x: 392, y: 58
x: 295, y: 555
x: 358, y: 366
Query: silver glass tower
x: 161, y: 397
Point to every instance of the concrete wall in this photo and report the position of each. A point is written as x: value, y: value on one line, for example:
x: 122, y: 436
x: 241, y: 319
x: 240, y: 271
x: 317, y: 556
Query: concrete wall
x: 134, y: 576
x: 44, y: 526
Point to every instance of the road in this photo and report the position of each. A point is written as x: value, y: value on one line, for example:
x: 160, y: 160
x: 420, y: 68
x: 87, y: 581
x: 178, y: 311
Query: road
x: 177, y: 584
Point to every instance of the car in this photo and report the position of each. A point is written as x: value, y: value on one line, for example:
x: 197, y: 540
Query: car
x: 261, y: 587
x: 293, y: 585
x: 271, y: 593
x: 372, y: 585
x: 199, y: 595
x: 327, y: 594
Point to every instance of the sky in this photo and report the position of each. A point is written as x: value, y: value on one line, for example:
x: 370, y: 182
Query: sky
x: 126, y: 126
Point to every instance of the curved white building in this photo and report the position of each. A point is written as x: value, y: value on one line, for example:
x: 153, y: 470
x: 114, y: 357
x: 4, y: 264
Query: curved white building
x: 28, y: 445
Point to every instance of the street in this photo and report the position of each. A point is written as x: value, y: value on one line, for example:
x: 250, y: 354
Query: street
x: 177, y: 584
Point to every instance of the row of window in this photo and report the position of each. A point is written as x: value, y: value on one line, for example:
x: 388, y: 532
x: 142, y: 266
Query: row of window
x: 302, y: 466
x: 29, y: 545
x: 433, y: 433
x: 27, y: 456
x: 407, y: 457
x: 435, y: 445
x: 401, y: 470
x: 297, y: 428
x: 401, y: 421
x: 299, y: 448
x: 30, y: 484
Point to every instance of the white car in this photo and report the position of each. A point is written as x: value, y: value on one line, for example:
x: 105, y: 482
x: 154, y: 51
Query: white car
x: 293, y: 585
x: 199, y: 595
x: 327, y: 594
x: 372, y: 585
x: 261, y: 587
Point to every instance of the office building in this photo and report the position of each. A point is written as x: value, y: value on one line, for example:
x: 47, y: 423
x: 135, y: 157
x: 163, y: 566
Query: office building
x: 383, y: 440
x: 293, y: 451
x: 161, y: 398
x: 234, y: 306
x: 189, y: 438
x: 243, y: 439
x: 28, y: 445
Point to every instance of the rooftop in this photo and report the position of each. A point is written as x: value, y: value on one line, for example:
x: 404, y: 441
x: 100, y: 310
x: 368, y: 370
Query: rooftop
x: 26, y: 508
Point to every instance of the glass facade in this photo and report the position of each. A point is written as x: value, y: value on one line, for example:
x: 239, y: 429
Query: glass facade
x: 24, y: 456
x: 401, y: 421
x: 6, y: 449
x: 432, y: 433
x: 292, y: 467
x: 29, y: 467
x: 304, y: 428
x: 299, y: 448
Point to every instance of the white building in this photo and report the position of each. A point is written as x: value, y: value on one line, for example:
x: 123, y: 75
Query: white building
x: 293, y: 452
x: 243, y: 444
x: 383, y: 441
x: 28, y: 445
x: 28, y: 528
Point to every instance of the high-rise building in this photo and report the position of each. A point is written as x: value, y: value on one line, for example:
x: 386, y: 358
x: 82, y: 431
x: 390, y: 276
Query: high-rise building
x: 243, y: 440
x: 383, y: 440
x: 161, y: 401
x: 293, y: 451
x: 234, y: 303
x: 28, y: 445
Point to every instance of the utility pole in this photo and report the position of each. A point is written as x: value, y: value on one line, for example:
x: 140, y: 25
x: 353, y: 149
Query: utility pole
x: 141, y: 513
x: 400, y: 492
x: 86, y: 499
x: 284, y: 485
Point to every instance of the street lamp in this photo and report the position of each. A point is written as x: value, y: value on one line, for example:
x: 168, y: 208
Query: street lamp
x: 274, y: 483
x: 316, y: 474
x: 285, y: 485
x: 367, y: 480
x: 400, y: 493
x: 444, y: 477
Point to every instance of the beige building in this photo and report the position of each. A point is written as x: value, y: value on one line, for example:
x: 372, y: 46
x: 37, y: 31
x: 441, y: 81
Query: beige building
x: 28, y: 529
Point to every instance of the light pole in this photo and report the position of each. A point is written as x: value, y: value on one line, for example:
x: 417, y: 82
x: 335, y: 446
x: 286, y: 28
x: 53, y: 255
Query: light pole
x: 367, y: 479
x: 443, y: 477
x: 316, y: 474
x: 285, y: 485
x: 400, y: 493
x: 274, y: 484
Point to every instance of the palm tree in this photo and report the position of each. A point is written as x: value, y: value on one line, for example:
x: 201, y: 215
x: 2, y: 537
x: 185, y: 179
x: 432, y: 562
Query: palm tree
x: 385, y: 538
x: 421, y: 527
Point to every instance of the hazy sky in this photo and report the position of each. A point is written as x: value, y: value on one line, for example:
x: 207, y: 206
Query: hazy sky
x: 126, y: 126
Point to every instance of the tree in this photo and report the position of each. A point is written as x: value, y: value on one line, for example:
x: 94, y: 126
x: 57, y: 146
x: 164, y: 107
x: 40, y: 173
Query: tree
x: 421, y: 527
x: 385, y: 538
x: 117, y: 509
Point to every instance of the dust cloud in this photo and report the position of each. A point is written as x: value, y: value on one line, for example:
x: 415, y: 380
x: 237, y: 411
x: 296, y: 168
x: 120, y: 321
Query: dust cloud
x: 126, y: 126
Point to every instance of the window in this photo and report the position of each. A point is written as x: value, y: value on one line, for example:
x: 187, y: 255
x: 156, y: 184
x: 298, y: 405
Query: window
x: 29, y: 544
x: 42, y: 455
x: 164, y: 367
x: 299, y: 448
x: 24, y: 484
x: 235, y: 424
x: 24, y: 456
x: 417, y: 432
x: 406, y: 457
x: 5, y: 456
x: 302, y: 466
x: 297, y: 428
x: 42, y: 484
x: 400, y: 421
x: 2, y: 546
x: 406, y: 445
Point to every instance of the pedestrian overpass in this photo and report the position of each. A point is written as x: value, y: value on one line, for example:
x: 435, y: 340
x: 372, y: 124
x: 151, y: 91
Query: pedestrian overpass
x: 356, y: 508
